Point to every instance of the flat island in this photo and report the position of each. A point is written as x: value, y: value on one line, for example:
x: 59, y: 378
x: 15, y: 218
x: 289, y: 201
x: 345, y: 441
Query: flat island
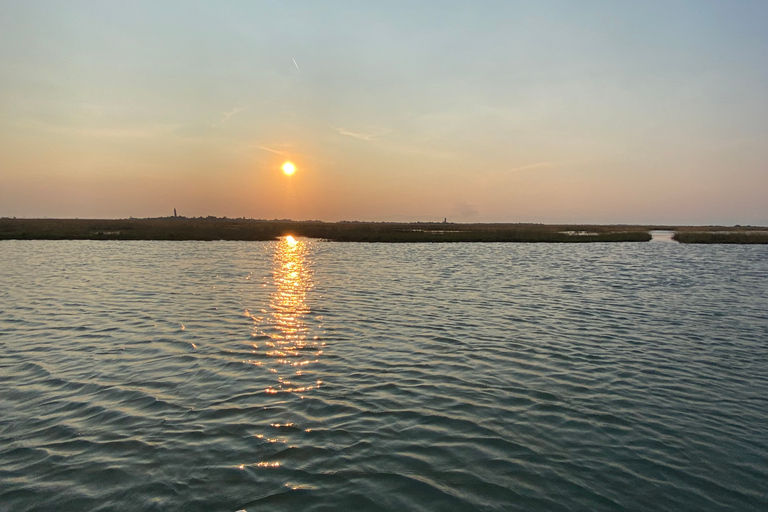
x: 213, y: 228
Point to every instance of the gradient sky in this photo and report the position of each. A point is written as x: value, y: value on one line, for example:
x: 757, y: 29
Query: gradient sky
x: 545, y: 111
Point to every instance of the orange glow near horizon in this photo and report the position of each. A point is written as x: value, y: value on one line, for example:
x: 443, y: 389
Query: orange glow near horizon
x: 289, y: 168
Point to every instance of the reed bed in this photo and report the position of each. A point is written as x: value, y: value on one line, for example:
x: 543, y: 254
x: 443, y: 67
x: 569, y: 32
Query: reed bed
x: 174, y: 228
x: 211, y: 228
x: 721, y: 237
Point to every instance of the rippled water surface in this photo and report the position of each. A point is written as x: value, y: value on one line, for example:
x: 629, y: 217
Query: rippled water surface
x: 227, y: 376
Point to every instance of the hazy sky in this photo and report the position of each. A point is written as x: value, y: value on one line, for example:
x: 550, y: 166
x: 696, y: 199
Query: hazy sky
x: 541, y: 111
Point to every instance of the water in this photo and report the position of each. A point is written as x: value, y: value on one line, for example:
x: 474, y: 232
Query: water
x: 226, y: 376
x: 662, y: 235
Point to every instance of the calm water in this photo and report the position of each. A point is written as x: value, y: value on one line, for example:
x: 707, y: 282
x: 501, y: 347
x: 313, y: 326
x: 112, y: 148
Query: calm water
x: 227, y: 376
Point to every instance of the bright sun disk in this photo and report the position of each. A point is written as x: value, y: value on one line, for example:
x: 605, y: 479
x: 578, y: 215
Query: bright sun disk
x: 289, y: 168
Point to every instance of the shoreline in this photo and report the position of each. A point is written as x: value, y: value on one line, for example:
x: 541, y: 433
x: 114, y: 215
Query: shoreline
x: 205, y: 229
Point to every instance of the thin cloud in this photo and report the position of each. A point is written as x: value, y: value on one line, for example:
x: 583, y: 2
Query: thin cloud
x: 423, y: 151
x: 281, y: 152
x: 377, y: 137
x: 361, y: 136
x: 465, y: 210
x: 226, y: 115
x: 124, y: 132
x: 537, y: 165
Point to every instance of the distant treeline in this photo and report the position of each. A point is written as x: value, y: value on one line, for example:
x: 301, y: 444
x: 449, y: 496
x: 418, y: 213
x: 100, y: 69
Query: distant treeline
x: 180, y: 228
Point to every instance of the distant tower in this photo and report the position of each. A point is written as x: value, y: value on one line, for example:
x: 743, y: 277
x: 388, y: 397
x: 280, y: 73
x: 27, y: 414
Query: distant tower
x: 445, y: 220
x: 174, y: 212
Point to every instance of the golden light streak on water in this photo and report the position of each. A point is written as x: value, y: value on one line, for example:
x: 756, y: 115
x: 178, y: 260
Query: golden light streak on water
x: 289, y: 344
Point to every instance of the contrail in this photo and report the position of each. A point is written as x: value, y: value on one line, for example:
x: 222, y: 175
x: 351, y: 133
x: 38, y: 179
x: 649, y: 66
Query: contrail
x: 294, y: 63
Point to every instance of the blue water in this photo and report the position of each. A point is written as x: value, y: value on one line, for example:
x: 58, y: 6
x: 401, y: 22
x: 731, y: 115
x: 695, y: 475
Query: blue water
x: 228, y: 376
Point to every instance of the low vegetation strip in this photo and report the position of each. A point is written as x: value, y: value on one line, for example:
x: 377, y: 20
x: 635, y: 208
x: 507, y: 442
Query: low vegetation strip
x: 179, y: 228
x: 211, y: 228
x: 722, y: 237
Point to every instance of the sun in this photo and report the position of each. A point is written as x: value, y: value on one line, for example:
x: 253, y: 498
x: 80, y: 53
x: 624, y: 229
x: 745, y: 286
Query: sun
x: 289, y: 168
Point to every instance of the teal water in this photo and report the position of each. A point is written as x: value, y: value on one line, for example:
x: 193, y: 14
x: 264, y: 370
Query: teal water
x: 228, y: 376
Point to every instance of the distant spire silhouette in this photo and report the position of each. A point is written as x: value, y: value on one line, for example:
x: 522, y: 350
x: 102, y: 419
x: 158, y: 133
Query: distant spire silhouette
x: 174, y: 212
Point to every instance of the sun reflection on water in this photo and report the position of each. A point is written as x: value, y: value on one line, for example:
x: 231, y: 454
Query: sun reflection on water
x: 289, y: 346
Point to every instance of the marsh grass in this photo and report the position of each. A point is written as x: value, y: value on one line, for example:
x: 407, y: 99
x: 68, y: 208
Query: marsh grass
x: 722, y: 237
x: 241, y: 229
x: 211, y: 228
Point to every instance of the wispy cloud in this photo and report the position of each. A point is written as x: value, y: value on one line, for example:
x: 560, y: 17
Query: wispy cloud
x: 537, y: 165
x: 117, y: 132
x: 465, y: 210
x: 226, y: 115
x: 423, y: 151
x: 377, y: 136
x: 357, y: 135
x: 282, y: 149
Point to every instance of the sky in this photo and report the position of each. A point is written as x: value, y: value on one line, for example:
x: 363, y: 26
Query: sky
x: 543, y: 111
